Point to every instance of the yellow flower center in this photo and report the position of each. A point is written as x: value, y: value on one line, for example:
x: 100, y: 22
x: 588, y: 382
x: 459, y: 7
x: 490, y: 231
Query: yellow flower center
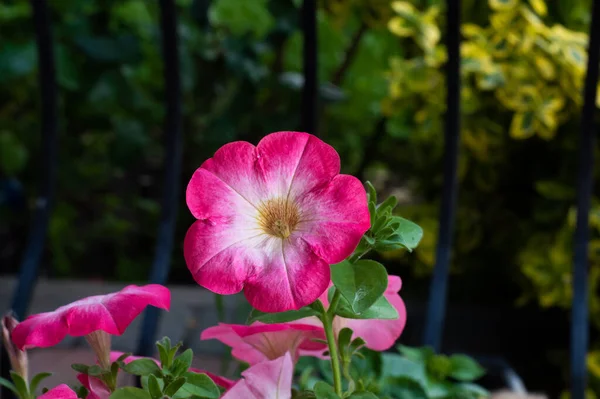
x: 278, y: 217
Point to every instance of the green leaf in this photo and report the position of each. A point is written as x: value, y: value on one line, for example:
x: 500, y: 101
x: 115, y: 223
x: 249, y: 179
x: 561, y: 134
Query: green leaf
x: 142, y: 367
x: 154, y: 387
x: 13, y: 154
x: 381, y: 309
x: 95, y: 371
x: 130, y: 393
x: 80, y: 368
x: 470, y: 388
x: 409, y: 233
x: 20, y: 384
x: 420, y: 354
x: 281, y: 317
x: 344, y: 337
x: 182, y: 363
x: 6, y: 383
x: 363, y: 395
x: 200, y: 385
x: 371, y: 192
x: 406, y: 388
x: 325, y: 391
x: 388, y: 205
x: 37, y: 379
x: 464, y: 368
x: 174, y: 386
x: 361, y: 283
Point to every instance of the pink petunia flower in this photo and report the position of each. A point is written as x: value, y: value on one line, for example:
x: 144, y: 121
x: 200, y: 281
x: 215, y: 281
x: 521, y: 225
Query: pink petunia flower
x: 96, y: 388
x: 217, y: 379
x: 272, y: 218
x: 267, y: 380
x: 60, y: 392
x: 378, y: 334
x: 94, y: 317
x: 259, y: 342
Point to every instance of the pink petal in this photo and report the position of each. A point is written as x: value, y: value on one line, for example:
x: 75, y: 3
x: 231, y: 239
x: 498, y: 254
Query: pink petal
x: 60, y: 392
x: 267, y: 380
x: 95, y: 387
x: 259, y: 342
x: 380, y: 335
x: 338, y: 217
x: 292, y: 278
x: 111, y: 313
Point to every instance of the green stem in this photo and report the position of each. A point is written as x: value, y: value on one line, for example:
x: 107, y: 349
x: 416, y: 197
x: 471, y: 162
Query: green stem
x: 327, y: 319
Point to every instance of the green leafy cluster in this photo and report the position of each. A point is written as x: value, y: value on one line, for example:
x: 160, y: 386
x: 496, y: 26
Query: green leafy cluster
x: 22, y: 388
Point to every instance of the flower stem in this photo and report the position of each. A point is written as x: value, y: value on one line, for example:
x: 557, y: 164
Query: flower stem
x: 327, y: 319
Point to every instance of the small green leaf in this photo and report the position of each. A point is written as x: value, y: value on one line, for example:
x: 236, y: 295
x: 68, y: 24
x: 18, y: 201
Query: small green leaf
x: 174, y: 386
x: 361, y: 283
x: 6, y: 383
x: 80, y: 368
x: 37, y: 379
x: 381, y: 309
x: 20, y: 384
x: 163, y: 354
x: 123, y: 357
x: 371, y: 192
x: 142, y: 367
x: 464, y: 368
x: 130, y: 393
x: 470, y: 388
x: 154, y: 387
x: 344, y: 337
x: 200, y: 385
x: 420, y: 354
x: 182, y: 363
x: 325, y: 391
x: 95, y: 371
x: 387, y: 206
x: 281, y: 317
x: 410, y: 233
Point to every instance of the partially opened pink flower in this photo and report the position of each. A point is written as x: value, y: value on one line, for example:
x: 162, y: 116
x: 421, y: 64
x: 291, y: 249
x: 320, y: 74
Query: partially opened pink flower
x: 259, y: 342
x: 378, y: 334
x: 267, y: 380
x: 272, y: 218
x: 60, y: 392
x: 217, y: 379
x: 111, y: 313
x: 96, y: 388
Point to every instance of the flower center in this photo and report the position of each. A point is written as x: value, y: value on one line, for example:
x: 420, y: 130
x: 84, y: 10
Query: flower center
x: 278, y: 217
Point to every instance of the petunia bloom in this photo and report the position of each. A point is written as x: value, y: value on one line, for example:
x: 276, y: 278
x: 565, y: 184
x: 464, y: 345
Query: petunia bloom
x: 60, y: 392
x: 259, y: 342
x: 267, y: 380
x: 18, y: 358
x: 92, y: 317
x: 272, y: 218
x: 378, y: 334
x: 217, y: 379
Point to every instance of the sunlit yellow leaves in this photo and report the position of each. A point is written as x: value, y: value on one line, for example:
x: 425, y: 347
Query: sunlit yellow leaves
x: 539, y: 6
x: 503, y: 5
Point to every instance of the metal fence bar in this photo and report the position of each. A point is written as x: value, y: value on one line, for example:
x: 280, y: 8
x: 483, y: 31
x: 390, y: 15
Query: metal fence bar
x: 310, y: 95
x: 174, y: 139
x: 437, y: 294
x: 36, y: 241
x: 579, y: 321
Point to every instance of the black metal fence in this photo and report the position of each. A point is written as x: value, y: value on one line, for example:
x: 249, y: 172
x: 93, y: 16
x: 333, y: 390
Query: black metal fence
x: 173, y: 141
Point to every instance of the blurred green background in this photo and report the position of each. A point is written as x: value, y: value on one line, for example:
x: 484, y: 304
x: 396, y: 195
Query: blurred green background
x: 381, y: 106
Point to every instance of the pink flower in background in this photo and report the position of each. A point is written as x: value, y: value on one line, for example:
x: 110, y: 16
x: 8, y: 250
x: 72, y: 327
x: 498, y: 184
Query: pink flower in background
x: 96, y: 388
x: 378, y: 334
x: 111, y: 313
x: 60, y: 392
x: 267, y: 380
x: 272, y: 218
x: 220, y: 381
x: 259, y: 342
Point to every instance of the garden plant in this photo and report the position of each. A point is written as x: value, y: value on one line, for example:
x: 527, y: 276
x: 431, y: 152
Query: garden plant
x: 279, y: 222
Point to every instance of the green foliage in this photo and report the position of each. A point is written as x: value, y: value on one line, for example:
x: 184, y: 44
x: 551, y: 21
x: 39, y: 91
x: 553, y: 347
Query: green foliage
x: 361, y: 283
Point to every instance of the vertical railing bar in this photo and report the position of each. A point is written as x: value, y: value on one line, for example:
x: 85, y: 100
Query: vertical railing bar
x: 308, y: 118
x: 437, y: 294
x: 173, y: 158
x: 49, y: 129
x: 579, y: 322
